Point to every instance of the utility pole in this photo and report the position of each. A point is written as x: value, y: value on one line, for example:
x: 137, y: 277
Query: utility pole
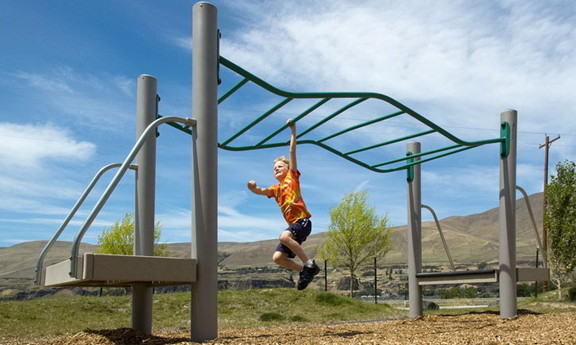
x: 544, y: 201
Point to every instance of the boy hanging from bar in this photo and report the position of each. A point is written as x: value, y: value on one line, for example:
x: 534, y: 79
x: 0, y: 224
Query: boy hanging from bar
x: 287, y: 195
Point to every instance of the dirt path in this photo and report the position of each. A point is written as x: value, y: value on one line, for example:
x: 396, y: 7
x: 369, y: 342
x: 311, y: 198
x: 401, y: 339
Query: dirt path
x: 474, y: 328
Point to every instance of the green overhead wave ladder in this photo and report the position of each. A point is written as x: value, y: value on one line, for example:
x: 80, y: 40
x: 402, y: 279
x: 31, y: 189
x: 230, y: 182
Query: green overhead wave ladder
x: 355, y: 98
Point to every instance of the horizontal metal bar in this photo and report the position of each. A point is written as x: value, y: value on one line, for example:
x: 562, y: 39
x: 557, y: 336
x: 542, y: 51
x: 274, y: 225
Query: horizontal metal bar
x: 363, y: 124
x: 458, y: 277
x: 417, y: 155
x: 391, y: 142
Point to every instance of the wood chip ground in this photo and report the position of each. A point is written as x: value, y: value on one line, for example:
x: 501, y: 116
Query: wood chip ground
x: 469, y: 329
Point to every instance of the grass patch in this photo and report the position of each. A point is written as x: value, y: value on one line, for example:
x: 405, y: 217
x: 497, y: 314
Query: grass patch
x: 331, y: 299
x: 298, y: 318
x: 245, y: 308
x: 272, y: 317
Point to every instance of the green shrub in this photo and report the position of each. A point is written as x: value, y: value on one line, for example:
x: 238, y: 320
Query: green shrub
x: 272, y: 317
x: 456, y: 292
x: 331, y: 299
x: 572, y: 293
x: 368, y: 273
x: 298, y: 318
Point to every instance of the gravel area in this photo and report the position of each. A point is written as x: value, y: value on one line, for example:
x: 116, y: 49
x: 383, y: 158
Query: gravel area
x: 473, y: 328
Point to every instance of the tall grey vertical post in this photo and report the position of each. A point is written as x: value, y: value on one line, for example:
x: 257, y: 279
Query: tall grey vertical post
x: 204, y: 313
x: 146, y: 111
x: 507, y: 215
x: 414, y: 231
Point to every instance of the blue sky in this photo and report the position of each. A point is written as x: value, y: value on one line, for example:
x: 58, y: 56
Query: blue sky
x: 68, y: 74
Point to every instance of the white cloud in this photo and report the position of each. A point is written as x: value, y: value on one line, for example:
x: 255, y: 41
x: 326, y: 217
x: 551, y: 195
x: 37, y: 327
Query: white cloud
x: 233, y: 225
x: 457, y: 63
x: 182, y: 42
x: 230, y: 218
x: 453, y: 61
x: 20, y: 202
x: 31, y: 146
x: 90, y: 100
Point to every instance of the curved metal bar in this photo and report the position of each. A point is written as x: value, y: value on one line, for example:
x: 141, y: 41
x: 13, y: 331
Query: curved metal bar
x: 49, y: 244
x: 356, y: 98
x: 307, y: 95
x: 150, y: 130
x: 441, y: 234
x: 529, y: 207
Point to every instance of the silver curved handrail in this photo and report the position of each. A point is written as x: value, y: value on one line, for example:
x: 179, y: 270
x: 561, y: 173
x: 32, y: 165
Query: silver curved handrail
x: 49, y: 244
x: 529, y: 207
x: 150, y: 130
x: 441, y: 234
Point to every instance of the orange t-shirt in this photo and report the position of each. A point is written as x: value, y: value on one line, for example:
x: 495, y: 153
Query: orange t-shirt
x: 289, y: 198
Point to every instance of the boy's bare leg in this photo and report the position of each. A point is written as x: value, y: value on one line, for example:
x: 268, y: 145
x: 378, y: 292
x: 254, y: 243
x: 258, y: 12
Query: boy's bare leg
x: 283, y: 260
x: 288, y: 240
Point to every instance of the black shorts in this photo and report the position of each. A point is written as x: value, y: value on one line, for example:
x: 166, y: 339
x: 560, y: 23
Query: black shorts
x: 300, y: 230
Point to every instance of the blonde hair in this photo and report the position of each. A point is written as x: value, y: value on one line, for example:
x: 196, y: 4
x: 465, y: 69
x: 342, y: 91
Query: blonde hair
x: 283, y: 160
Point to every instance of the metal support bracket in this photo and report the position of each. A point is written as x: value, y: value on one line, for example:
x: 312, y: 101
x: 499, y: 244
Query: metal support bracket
x: 410, y: 169
x: 505, y: 134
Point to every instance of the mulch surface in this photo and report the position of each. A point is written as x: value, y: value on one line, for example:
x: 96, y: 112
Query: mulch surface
x: 474, y: 328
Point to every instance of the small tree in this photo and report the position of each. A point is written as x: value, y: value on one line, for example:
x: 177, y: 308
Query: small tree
x: 560, y: 219
x: 119, y: 238
x: 356, y: 235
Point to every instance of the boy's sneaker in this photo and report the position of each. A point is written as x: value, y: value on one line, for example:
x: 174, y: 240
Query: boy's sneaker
x: 307, y: 275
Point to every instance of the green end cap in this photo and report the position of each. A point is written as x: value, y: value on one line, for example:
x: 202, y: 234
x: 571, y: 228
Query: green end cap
x: 505, y: 134
x: 410, y: 169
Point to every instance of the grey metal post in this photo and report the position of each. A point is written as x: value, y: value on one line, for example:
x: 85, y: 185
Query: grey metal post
x: 414, y: 233
x: 204, y: 305
x: 507, y: 216
x: 146, y: 109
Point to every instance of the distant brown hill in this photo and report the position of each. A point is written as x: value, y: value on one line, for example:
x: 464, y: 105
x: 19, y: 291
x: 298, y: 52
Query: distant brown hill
x: 472, y: 239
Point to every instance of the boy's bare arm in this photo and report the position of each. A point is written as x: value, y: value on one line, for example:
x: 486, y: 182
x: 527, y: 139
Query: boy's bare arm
x: 258, y: 190
x: 293, y: 162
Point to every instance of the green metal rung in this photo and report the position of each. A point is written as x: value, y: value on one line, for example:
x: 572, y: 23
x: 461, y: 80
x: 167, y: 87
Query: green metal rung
x: 306, y: 112
x: 363, y: 124
x: 258, y: 120
x: 356, y: 99
x: 232, y: 90
x: 412, y: 136
x: 334, y: 114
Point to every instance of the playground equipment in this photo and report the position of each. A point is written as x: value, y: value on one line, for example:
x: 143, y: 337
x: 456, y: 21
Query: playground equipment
x: 143, y: 271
